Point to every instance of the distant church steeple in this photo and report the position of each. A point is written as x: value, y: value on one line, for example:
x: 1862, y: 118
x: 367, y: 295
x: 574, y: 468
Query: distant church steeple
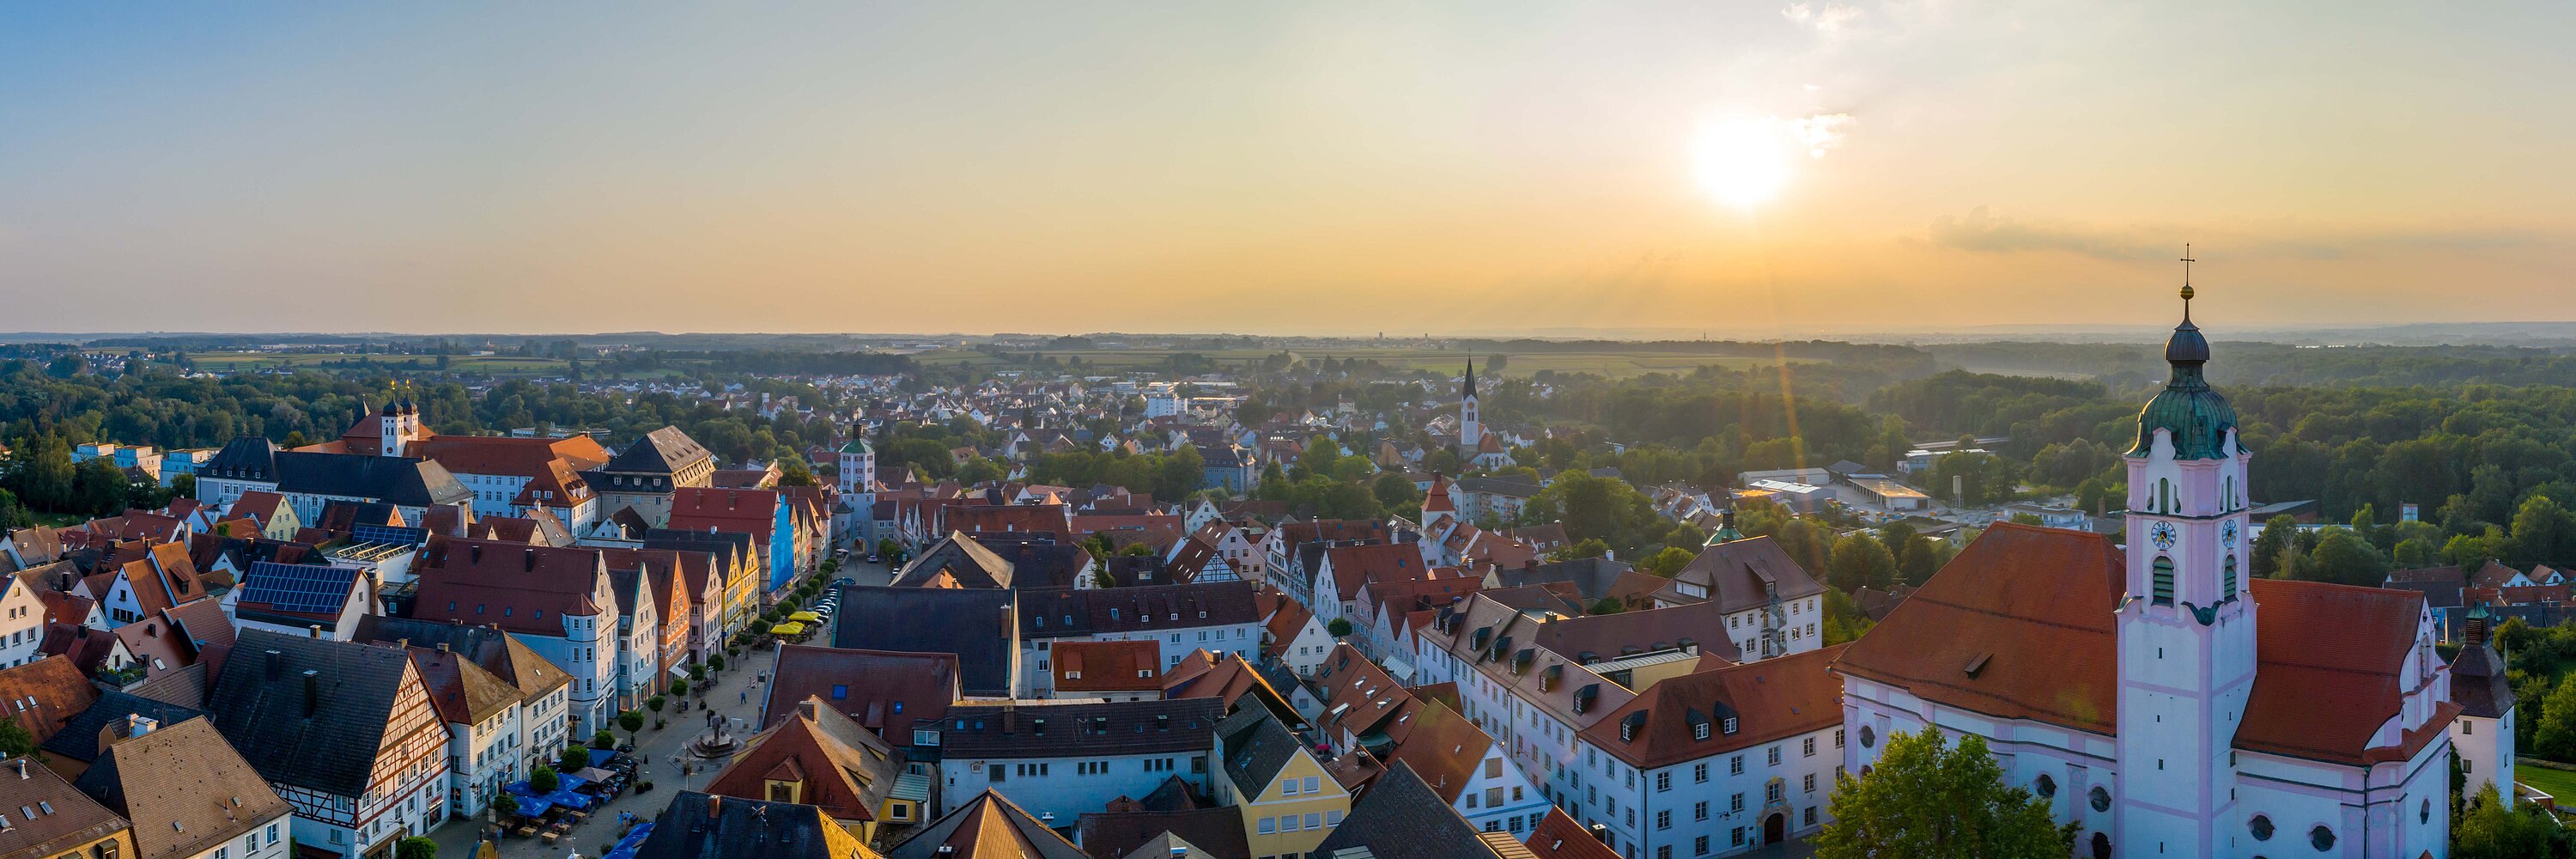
x: 1470, y: 432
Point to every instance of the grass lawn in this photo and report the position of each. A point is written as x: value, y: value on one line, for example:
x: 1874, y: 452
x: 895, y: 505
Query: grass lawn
x: 2557, y: 783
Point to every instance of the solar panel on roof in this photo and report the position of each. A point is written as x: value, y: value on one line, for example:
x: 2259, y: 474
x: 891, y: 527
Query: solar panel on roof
x: 389, y: 534
x: 306, y: 588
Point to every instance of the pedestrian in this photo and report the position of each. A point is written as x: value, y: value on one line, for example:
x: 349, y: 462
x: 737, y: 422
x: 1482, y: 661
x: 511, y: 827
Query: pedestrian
x: 746, y: 696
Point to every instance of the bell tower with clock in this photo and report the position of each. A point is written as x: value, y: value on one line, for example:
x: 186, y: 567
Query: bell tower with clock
x: 2186, y: 622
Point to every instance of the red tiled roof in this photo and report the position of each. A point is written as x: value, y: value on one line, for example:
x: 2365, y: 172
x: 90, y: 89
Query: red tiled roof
x: 1771, y: 700
x: 1108, y: 666
x: 2037, y: 602
x: 2329, y: 658
x: 1560, y: 837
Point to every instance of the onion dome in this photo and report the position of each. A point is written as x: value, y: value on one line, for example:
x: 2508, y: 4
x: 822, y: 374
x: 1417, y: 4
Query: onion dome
x: 2197, y: 416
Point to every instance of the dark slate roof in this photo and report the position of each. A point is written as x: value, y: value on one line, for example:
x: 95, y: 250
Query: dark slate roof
x: 1255, y: 747
x: 78, y: 740
x: 259, y: 704
x: 404, y: 480
x: 1058, y: 613
x: 979, y: 625
x: 662, y: 451
x: 1218, y: 832
x: 733, y: 547
x: 1061, y: 730
x: 1401, y: 818
x: 1741, y: 575
x: 491, y: 649
x: 247, y: 457
x: 698, y: 826
x: 967, y: 561
x: 1036, y: 564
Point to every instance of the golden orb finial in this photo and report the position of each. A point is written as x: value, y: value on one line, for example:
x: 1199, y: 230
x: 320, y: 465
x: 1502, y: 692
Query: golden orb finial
x: 2186, y: 292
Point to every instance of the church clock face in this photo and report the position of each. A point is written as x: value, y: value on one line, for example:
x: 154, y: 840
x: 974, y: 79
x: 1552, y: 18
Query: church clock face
x: 2227, y: 534
x: 2163, y: 534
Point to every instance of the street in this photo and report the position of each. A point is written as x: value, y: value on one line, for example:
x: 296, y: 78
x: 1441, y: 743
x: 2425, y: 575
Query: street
x: 729, y: 697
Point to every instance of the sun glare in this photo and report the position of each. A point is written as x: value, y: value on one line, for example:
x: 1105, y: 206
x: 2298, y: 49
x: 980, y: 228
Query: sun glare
x: 1743, y: 162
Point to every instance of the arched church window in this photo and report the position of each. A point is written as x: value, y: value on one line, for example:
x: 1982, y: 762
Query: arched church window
x: 2227, y: 577
x: 2261, y: 827
x: 2322, y: 838
x: 2101, y: 845
x: 2046, y: 787
x: 2163, y: 581
x: 1868, y: 737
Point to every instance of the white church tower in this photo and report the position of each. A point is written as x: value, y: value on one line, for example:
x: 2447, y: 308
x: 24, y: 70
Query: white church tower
x: 1470, y: 433
x: 2186, y: 626
x: 858, y: 485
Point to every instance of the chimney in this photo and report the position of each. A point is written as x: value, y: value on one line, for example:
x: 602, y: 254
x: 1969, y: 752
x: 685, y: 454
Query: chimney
x: 810, y: 709
x: 276, y: 662
x: 313, y: 630
x: 312, y: 692
x: 442, y: 646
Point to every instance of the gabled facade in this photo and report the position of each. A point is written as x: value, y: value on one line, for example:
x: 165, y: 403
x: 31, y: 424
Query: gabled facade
x: 1288, y: 802
x: 345, y: 732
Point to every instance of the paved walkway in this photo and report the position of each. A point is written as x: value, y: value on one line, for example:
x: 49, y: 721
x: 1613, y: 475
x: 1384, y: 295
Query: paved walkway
x: 659, y: 750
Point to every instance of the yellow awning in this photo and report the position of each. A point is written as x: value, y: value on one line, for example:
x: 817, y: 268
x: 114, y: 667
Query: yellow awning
x: 788, y: 628
x: 805, y: 616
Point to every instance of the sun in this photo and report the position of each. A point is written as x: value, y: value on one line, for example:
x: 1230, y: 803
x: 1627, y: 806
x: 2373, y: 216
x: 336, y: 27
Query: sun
x: 1742, y: 161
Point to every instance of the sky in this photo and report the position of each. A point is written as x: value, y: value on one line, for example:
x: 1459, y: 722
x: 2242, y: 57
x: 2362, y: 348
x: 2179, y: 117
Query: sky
x: 1762, y: 168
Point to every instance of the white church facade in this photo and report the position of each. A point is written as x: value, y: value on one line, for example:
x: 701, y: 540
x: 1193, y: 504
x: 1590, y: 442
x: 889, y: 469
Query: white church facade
x: 2158, y: 696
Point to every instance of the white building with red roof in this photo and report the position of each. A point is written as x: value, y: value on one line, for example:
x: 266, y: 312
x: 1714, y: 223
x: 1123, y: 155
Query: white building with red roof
x: 2153, y: 694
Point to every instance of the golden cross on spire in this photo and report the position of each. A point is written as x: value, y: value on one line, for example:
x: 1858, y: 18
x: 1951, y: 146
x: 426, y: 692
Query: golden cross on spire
x: 2186, y: 276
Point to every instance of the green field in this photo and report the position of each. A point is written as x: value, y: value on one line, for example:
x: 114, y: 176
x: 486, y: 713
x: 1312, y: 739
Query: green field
x: 2557, y: 783
x: 1612, y: 363
x: 494, y: 365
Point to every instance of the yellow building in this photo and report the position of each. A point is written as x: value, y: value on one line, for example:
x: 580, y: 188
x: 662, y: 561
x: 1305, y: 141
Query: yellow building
x: 1289, y: 803
x: 68, y: 824
x: 819, y: 757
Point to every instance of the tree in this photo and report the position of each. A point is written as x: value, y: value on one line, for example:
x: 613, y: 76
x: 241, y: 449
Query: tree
x: 573, y: 758
x: 678, y: 687
x: 2487, y: 830
x: 544, y: 779
x: 1589, y: 548
x: 15, y: 741
x: 2272, y: 546
x: 715, y: 662
x: 977, y: 470
x: 416, y: 847
x: 2542, y: 531
x: 1669, y: 562
x: 2556, y: 738
x: 793, y: 471
x: 2342, y: 557
x: 603, y: 739
x: 1608, y: 605
x: 1928, y: 799
x: 1340, y: 627
x: 1395, y: 491
x: 631, y: 720
x: 657, y: 702
x: 505, y: 802
x: 1861, y: 561
x: 98, y: 488
x: 183, y: 486
x: 1918, y: 562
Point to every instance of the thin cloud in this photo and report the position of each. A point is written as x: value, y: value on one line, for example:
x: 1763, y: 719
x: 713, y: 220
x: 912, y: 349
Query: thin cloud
x: 1983, y: 231
x: 1829, y: 18
x: 1820, y: 132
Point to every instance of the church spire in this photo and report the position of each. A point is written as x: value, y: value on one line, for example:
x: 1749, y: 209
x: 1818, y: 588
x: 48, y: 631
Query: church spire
x: 1471, y: 378
x: 2196, y: 416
